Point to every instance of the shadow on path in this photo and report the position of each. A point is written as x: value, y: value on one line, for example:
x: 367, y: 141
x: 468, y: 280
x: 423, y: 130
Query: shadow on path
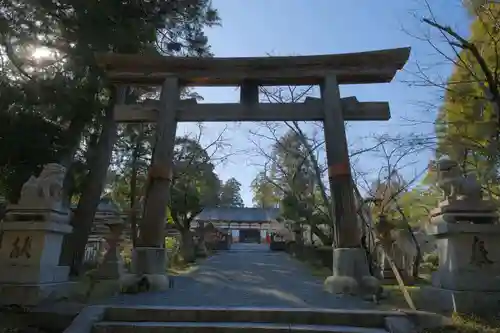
x: 247, y: 275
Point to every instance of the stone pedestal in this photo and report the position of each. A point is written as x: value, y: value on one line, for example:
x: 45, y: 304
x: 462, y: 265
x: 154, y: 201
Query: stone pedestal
x: 350, y: 273
x: 473, y: 210
x: 149, y: 262
x: 29, y: 255
x: 468, y: 278
x: 111, y: 267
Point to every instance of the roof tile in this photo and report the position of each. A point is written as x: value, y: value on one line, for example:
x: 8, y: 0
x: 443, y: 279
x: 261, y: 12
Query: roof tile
x: 237, y: 214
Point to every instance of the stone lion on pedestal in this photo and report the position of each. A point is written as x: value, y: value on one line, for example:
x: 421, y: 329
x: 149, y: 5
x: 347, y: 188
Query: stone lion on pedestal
x: 454, y: 184
x: 46, y: 188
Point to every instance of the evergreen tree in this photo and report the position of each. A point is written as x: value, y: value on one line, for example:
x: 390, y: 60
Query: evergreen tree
x: 230, y: 194
x: 69, y: 90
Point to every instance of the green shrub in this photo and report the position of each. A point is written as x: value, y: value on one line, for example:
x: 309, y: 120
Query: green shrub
x: 171, y: 243
x: 126, y: 254
x: 470, y: 324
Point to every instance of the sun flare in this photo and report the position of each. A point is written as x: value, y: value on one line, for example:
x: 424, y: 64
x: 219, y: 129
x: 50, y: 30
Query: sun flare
x: 41, y: 53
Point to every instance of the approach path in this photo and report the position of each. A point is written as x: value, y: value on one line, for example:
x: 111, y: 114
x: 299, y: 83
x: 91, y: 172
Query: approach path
x: 248, y: 275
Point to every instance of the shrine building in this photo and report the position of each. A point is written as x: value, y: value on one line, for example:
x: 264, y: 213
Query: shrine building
x: 245, y: 224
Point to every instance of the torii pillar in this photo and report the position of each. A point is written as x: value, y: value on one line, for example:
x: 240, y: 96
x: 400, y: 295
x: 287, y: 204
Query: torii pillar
x: 149, y: 257
x: 351, y: 273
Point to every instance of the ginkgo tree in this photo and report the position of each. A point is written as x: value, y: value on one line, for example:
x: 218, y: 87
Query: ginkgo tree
x: 468, y: 119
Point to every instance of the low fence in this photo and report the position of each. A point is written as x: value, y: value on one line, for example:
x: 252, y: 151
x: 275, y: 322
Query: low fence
x: 93, y: 252
x: 95, y: 249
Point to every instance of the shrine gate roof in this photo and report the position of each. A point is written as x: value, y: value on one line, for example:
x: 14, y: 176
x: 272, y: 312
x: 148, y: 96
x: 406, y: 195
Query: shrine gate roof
x: 236, y: 214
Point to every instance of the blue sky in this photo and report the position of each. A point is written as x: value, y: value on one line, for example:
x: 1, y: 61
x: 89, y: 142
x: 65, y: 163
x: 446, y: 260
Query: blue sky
x: 303, y: 27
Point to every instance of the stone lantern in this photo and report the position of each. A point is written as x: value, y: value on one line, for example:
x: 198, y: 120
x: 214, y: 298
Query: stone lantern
x: 111, y: 266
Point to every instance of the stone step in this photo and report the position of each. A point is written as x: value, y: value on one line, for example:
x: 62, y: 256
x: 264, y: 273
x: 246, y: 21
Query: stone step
x: 223, y: 327
x: 341, y: 317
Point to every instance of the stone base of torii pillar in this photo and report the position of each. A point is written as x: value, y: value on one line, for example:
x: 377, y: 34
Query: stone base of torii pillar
x: 148, y: 270
x: 351, y: 275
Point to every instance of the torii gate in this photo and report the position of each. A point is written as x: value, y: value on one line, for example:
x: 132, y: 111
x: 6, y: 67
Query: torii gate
x: 350, y: 272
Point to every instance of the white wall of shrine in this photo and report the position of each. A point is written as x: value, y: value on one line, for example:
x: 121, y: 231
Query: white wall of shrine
x: 235, y: 225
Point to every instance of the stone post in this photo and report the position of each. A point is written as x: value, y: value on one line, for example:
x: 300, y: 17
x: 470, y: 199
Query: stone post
x: 468, y: 243
x: 351, y: 274
x: 201, y: 248
x: 33, y: 232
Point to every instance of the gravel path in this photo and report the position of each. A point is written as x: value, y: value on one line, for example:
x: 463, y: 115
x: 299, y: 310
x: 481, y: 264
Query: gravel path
x: 249, y: 275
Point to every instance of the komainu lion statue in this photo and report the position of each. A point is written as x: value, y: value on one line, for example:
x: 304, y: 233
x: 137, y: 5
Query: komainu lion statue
x: 47, y: 188
x: 454, y: 184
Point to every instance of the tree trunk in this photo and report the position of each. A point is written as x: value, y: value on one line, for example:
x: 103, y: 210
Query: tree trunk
x: 133, y: 208
x: 317, y: 170
x: 187, y: 246
x: 318, y: 174
x: 133, y: 189
x: 83, y: 217
x: 74, y: 136
x: 69, y: 188
x: 418, y: 255
x: 321, y: 235
x: 311, y: 236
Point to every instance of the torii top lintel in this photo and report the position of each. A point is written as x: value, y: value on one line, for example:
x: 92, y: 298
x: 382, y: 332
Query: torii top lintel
x: 350, y: 68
